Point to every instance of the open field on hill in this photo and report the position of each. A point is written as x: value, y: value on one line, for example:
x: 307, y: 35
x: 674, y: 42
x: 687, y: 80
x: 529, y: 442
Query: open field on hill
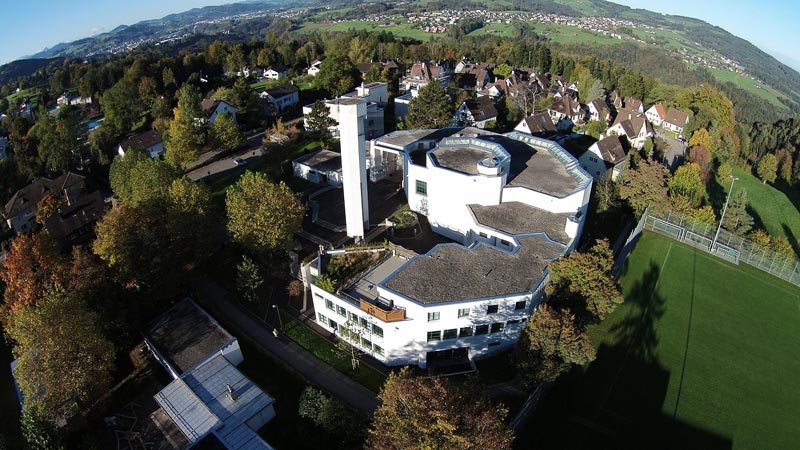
x: 700, y: 356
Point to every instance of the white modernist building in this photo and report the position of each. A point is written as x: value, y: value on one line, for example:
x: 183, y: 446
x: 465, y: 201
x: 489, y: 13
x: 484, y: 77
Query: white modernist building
x: 512, y: 203
x: 375, y: 95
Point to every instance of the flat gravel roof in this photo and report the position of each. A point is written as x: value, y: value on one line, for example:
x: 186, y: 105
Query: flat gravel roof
x: 452, y: 272
x: 519, y: 218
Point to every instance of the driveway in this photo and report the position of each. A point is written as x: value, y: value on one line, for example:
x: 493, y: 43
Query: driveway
x: 674, y: 153
x: 251, y: 150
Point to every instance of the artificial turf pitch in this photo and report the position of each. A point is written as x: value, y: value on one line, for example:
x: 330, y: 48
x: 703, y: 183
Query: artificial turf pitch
x: 702, y: 355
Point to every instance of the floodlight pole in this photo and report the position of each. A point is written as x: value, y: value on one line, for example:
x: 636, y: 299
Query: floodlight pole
x: 724, y: 210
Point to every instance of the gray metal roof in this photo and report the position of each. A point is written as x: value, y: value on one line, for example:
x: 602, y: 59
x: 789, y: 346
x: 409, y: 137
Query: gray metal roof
x: 198, y: 403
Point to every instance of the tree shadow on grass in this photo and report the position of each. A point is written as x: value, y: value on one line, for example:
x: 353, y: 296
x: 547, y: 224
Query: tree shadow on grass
x: 758, y: 222
x: 792, y: 239
x: 716, y: 194
x: 617, y: 402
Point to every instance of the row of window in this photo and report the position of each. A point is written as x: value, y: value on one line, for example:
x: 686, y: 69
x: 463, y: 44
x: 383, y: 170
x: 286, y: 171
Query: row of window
x: 453, y: 333
x: 364, y: 342
x: 464, y: 312
x: 355, y: 318
x: 502, y: 241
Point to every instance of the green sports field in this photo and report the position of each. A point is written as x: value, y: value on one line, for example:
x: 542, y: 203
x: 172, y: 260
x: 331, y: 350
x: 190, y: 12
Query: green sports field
x: 703, y: 355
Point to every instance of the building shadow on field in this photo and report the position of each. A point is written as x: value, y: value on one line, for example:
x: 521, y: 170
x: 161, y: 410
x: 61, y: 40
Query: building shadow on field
x: 617, y: 401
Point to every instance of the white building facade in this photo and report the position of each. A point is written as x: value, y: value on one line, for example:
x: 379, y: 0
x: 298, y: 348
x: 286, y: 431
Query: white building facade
x: 513, y: 203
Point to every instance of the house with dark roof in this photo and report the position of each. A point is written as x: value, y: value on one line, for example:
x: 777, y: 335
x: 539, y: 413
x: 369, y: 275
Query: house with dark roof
x: 539, y: 124
x: 72, y: 221
x: 634, y: 126
x: 633, y: 104
x: 213, y: 108
x: 566, y: 112
x: 423, y: 72
x: 476, y: 113
x: 149, y: 141
x: 606, y: 156
x: 598, y: 110
x: 276, y: 72
x: 676, y: 120
x: 276, y: 99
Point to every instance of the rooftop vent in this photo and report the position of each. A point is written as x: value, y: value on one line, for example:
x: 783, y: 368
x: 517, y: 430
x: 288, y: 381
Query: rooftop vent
x: 489, y: 166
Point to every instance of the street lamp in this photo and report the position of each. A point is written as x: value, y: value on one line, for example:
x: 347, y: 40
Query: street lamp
x: 278, y: 311
x: 724, y: 210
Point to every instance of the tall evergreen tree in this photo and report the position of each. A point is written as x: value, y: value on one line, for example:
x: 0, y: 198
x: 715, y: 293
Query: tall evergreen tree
x: 432, y: 108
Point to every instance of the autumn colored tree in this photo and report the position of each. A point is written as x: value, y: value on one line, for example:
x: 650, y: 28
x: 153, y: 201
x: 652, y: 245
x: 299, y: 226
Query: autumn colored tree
x: 186, y: 135
x: 432, y: 108
x: 33, y: 265
x: 724, y: 173
x: 47, y: 206
x: 702, y: 157
x: 582, y: 282
x: 688, y: 182
x: 767, y: 168
x: 704, y: 214
x: 434, y: 413
x: 65, y: 362
x: 262, y: 216
x: 759, y: 237
x: 551, y: 344
x: 643, y: 186
x: 784, y: 164
x: 701, y: 138
x: 781, y: 246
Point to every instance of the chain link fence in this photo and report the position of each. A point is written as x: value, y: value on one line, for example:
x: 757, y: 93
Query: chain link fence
x: 728, y: 246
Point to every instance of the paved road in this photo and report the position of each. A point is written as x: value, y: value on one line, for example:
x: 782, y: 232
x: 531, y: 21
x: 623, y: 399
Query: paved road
x: 675, y: 153
x: 251, y: 151
x: 303, y: 362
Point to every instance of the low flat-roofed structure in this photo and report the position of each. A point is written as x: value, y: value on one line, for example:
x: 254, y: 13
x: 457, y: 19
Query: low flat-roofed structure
x: 186, y: 335
x: 366, y: 287
x: 323, y: 160
x: 215, y: 398
x: 517, y: 218
x: 452, y: 272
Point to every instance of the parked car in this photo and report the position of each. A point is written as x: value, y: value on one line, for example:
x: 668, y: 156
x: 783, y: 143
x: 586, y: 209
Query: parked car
x: 239, y: 161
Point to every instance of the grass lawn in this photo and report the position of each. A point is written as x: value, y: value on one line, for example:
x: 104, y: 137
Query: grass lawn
x: 751, y: 86
x: 325, y: 351
x: 701, y: 356
x: 776, y: 208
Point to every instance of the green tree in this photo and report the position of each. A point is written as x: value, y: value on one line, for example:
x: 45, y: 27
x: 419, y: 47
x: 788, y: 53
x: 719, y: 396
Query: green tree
x: 592, y: 92
x: 724, y: 173
x: 121, y: 106
x: 688, y: 183
x: 644, y: 186
x: 595, y: 128
x: 502, y: 71
x: 186, y: 137
x: 37, y: 434
x: 767, y: 168
x: 65, y: 362
x: 435, y: 413
x: 737, y: 220
x: 336, y: 76
x: 138, y: 179
x: 332, y: 417
x: 704, y: 214
x: 248, y: 279
x: 319, y: 120
x: 225, y: 133
x: 583, y: 283
x: 262, y: 216
x: 550, y: 345
x: 432, y: 108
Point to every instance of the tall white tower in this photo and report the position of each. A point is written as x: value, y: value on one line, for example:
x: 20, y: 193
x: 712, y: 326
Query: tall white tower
x: 352, y: 116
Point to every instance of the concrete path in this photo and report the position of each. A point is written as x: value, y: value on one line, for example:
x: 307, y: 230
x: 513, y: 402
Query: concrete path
x: 303, y: 362
x: 250, y: 152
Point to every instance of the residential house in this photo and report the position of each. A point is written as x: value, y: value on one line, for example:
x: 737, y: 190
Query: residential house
x: 656, y: 114
x: 566, y: 112
x: 478, y: 113
x: 598, y: 110
x: 149, y: 141
x: 633, y: 126
x: 322, y: 167
x: 615, y: 100
x: 633, y: 104
x: 78, y: 208
x: 472, y: 76
x: 212, y: 108
x: 73, y: 99
x: 539, y: 124
x: 313, y: 68
x: 676, y: 120
x: 606, y: 156
x: 276, y: 72
x: 209, y: 403
x: 424, y: 72
x: 276, y: 99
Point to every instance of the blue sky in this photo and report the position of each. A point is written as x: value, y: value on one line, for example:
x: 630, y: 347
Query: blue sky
x: 771, y: 26
x: 36, y: 24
